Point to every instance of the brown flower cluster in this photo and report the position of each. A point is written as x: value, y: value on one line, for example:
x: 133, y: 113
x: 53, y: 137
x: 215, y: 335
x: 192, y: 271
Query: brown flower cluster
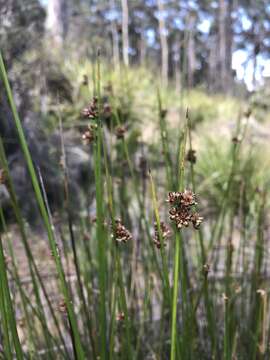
x: 191, y: 156
x: 165, y: 233
x: 181, y: 212
x: 120, y: 132
x: 85, y: 80
x: 107, y: 110
x: 120, y: 316
x: 89, y: 135
x: 121, y: 233
x: 91, y: 111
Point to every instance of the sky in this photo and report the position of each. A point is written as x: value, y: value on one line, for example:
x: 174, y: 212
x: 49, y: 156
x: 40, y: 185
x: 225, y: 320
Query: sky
x: 240, y: 62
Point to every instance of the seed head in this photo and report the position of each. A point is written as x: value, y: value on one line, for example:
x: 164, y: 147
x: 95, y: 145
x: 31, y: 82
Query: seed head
x: 163, y: 113
x: 188, y: 198
x: 196, y: 220
x: 85, y: 80
x: 191, y: 156
x: 91, y: 111
x: 181, y: 212
x: 180, y: 216
x: 236, y: 139
x: 89, y: 135
x: 120, y: 316
x: 107, y: 110
x: 165, y: 233
x: 120, y: 132
x: 122, y: 235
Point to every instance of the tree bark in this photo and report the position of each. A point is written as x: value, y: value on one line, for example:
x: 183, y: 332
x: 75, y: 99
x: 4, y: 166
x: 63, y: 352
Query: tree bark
x: 177, y: 65
x: 125, y: 38
x: 225, y: 43
x: 163, y: 43
x: 142, y: 49
x: 57, y: 22
x: 115, y: 39
x: 222, y: 42
x: 191, y: 55
x: 213, y: 84
x: 229, y: 44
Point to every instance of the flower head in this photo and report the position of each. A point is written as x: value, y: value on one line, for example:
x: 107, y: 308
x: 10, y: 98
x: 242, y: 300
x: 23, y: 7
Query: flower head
x: 89, y: 135
x: 120, y: 132
x: 91, y: 111
x: 121, y: 233
x: 191, y: 156
x: 181, y: 212
x: 165, y: 233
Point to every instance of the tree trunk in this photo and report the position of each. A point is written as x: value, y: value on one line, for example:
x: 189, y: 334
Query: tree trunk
x: 191, y: 56
x: 177, y: 65
x: 222, y: 42
x: 163, y: 43
x: 125, y: 39
x: 115, y: 39
x: 225, y: 43
x: 57, y: 21
x: 229, y: 44
x: 213, y: 63
x: 142, y: 49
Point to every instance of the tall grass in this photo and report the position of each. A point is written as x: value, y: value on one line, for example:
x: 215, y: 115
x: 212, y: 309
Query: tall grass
x: 125, y: 290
